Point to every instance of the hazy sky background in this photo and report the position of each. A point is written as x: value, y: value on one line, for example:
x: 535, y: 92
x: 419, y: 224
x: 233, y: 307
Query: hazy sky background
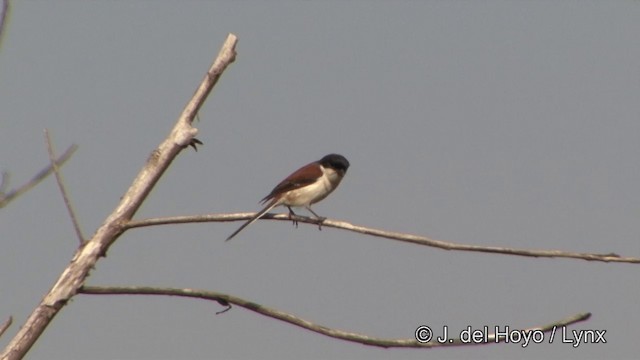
x: 502, y: 123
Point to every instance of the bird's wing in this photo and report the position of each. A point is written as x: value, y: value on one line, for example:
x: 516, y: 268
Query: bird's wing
x: 304, y: 176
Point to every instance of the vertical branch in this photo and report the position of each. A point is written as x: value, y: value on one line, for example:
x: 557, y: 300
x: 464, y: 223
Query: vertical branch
x: 73, y: 277
x: 65, y: 197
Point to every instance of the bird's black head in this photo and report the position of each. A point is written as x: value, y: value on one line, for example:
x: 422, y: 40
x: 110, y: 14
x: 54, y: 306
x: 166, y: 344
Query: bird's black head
x: 336, y: 162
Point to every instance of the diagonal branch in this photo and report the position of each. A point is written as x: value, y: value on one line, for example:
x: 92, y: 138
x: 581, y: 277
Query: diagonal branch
x: 8, y: 197
x: 225, y: 299
x: 85, y: 259
x: 410, y: 238
x: 63, y: 191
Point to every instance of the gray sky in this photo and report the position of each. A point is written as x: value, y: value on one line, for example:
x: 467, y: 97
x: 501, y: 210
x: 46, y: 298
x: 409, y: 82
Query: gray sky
x: 493, y: 123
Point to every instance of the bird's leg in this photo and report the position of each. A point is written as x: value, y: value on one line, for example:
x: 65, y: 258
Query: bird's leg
x: 320, y: 219
x: 291, y: 215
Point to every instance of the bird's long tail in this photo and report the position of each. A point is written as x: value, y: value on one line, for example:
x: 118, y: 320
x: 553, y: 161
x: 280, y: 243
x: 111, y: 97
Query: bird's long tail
x: 257, y: 216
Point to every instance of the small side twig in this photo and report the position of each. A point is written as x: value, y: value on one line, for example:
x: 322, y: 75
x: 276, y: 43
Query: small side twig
x: 63, y: 191
x: 309, y: 325
x: 4, y: 183
x: 8, y: 197
x: 410, y: 238
x: 4, y: 15
x: 6, y: 325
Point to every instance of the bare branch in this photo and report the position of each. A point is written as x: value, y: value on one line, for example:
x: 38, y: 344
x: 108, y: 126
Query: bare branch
x: 6, y: 198
x: 309, y: 325
x: 6, y: 325
x: 415, y: 239
x: 72, y: 278
x: 4, y: 183
x: 63, y: 191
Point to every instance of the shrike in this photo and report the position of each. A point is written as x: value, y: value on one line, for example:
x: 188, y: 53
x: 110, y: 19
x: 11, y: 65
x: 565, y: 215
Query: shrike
x: 306, y: 186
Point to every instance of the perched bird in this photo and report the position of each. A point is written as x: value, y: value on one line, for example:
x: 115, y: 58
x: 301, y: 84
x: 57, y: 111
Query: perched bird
x: 307, y: 185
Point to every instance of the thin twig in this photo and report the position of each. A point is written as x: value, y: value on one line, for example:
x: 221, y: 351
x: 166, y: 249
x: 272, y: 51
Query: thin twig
x: 4, y: 200
x: 415, y: 239
x: 4, y: 183
x: 63, y: 191
x: 6, y: 325
x: 309, y: 325
x: 4, y: 15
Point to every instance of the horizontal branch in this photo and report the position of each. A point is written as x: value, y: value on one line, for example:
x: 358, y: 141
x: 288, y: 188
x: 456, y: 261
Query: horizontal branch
x: 226, y: 300
x: 415, y: 239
